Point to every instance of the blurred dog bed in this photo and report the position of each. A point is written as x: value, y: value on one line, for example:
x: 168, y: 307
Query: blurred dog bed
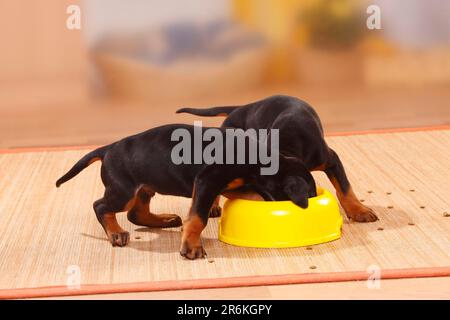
x: 181, y: 60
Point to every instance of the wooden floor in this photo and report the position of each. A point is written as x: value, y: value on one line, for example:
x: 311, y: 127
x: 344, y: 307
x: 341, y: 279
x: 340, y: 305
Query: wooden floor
x: 65, y: 121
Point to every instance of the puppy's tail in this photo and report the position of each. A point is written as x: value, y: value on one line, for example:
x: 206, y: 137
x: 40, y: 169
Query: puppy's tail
x: 97, y: 154
x: 209, y: 112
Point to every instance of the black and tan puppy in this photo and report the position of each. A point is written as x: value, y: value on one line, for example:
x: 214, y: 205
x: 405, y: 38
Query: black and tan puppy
x: 135, y: 168
x: 301, y: 136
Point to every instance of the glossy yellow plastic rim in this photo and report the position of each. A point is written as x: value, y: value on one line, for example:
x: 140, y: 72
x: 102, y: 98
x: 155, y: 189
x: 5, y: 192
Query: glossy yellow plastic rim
x: 280, y: 224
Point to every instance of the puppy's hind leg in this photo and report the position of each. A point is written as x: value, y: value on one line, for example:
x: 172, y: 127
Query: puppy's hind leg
x: 106, y: 209
x: 354, y: 209
x: 140, y: 213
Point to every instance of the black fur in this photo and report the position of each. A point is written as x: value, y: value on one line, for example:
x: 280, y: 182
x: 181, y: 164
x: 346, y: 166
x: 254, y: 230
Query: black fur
x: 301, y: 137
x: 141, y: 165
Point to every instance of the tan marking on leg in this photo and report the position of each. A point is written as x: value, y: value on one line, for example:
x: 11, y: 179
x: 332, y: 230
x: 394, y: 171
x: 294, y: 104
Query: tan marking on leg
x: 352, y: 206
x: 349, y: 200
x: 191, y: 246
x: 110, y: 224
x: 129, y: 204
x: 116, y: 235
x: 192, y: 228
x: 139, y: 214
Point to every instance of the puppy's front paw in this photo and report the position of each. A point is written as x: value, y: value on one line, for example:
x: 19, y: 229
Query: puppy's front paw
x: 119, y: 239
x: 362, y: 214
x: 192, y: 252
x: 215, y: 212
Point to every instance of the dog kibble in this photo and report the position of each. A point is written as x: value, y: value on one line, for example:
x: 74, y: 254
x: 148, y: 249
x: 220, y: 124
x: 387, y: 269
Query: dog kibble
x: 308, y: 248
x: 411, y: 224
x: 446, y: 214
x: 370, y: 191
x: 137, y: 238
x: 380, y: 229
x: 362, y: 200
x: 390, y: 207
x: 412, y: 190
x: 313, y: 267
x: 388, y: 193
x: 422, y: 207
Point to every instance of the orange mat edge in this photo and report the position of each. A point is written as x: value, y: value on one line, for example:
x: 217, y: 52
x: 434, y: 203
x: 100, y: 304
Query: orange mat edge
x: 249, y: 281
x: 331, y: 134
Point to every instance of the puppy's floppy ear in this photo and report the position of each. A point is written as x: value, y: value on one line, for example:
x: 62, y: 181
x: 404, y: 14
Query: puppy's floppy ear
x: 297, y: 190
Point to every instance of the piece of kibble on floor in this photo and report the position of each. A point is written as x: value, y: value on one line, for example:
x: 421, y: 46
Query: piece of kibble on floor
x: 388, y: 193
x: 313, y: 267
x: 137, y: 237
x: 412, y: 190
x: 422, y: 207
x: 380, y: 229
x: 446, y: 214
x: 390, y: 207
x: 362, y: 200
x: 369, y: 191
x: 411, y: 224
x: 308, y: 248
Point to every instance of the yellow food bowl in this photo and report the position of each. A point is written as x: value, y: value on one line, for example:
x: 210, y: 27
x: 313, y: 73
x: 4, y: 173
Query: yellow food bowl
x: 280, y: 224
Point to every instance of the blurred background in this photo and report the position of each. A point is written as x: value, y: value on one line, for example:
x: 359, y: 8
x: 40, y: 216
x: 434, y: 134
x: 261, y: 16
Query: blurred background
x: 133, y: 63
